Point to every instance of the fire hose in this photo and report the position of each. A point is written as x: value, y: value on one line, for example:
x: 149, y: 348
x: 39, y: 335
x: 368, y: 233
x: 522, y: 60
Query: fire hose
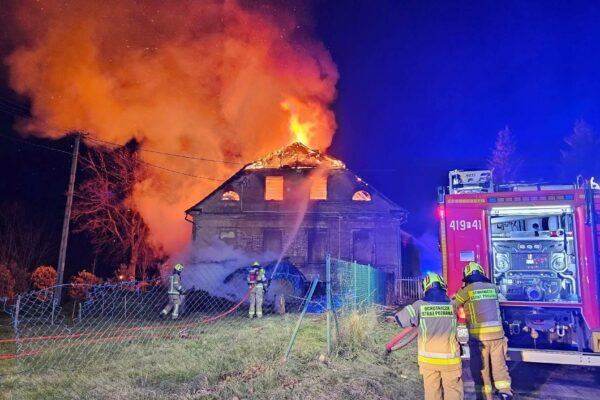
x: 183, y: 326
x: 402, y: 339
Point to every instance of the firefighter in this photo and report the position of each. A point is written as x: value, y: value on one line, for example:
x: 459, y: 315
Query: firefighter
x: 175, y: 292
x: 438, y: 349
x: 487, y: 343
x: 257, y: 281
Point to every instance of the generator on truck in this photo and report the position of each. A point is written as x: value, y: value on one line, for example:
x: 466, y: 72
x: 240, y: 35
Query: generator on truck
x: 539, y: 244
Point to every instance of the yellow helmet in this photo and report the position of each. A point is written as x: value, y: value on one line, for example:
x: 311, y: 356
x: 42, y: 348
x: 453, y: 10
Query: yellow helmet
x: 430, y: 279
x: 472, y: 268
x: 256, y: 264
x: 178, y: 267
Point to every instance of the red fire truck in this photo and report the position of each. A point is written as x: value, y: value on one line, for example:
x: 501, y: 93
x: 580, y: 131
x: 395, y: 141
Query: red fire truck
x: 539, y: 245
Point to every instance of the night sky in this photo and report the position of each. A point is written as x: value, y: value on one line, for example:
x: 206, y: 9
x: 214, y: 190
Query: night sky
x: 424, y: 88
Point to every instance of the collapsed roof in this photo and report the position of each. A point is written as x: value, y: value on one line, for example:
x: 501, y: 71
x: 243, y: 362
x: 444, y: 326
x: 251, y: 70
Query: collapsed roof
x: 296, y: 155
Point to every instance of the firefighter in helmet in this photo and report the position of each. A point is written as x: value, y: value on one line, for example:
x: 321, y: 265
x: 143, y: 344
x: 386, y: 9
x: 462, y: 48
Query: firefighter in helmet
x: 487, y: 343
x: 438, y: 349
x: 175, y: 292
x: 257, y: 280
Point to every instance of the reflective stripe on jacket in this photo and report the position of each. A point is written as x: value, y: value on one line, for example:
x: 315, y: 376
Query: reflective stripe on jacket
x: 437, y: 343
x: 175, y: 284
x: 482, y: 310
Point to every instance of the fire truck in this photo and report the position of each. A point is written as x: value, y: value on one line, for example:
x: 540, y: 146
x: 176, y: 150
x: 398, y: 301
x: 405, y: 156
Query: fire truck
x: 539, y: 244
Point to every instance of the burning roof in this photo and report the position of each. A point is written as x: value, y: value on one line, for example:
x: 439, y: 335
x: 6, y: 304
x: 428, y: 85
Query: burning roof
x: 296, y: 155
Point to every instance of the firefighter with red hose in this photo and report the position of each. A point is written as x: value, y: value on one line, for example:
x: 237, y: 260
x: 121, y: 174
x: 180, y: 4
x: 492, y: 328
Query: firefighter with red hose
x: 439, y: 358
x: 257, y: 281
x: 487, y: 343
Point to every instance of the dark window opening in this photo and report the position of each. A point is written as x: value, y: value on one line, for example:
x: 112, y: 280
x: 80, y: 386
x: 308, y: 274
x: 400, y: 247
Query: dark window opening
x: 363, y: 246
x: 318, y: 245
x: 272, y: 241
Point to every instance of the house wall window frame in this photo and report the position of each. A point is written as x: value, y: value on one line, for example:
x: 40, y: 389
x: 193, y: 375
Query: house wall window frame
x: 361, y: 195
x: 272, y: 240
x: 317, y: 245
x: 363, y: 246
x: 274, y: 188
x: 318, y: 188
x: 230, y: 195
x: 228, y: 236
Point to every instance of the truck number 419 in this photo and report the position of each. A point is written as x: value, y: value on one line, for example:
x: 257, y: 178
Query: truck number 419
x: 463, y: 225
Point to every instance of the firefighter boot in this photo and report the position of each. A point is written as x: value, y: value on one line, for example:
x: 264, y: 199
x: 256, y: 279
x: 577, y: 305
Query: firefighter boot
x: 163, y: 314
x: 175, y: 312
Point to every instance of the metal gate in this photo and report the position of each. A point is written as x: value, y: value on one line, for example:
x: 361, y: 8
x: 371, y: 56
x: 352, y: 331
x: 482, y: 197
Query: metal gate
x: 409, y: 289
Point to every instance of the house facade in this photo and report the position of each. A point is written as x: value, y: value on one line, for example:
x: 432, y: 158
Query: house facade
x: 303, y: 204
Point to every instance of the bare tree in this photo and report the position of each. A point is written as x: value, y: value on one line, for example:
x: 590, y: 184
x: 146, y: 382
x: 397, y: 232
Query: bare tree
x: 103, y: 208
x: 580, y: 157
x: 505, y: 161
x: 25, y: 243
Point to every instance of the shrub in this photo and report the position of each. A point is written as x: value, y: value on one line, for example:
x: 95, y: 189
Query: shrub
x: 44, y: 277
x: 81, y: 284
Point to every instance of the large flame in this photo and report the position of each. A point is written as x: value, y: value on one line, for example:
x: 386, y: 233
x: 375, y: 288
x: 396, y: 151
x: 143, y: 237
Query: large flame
x: 202, y: 78
x: 308, y: 122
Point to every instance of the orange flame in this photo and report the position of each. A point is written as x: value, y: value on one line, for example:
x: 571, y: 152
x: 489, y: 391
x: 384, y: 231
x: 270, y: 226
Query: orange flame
x: 302, y: 131
x: 202, y: 78
x: 308, y: 122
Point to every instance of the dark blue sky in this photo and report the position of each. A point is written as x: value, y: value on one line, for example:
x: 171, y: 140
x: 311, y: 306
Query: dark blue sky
x: 426, y: 85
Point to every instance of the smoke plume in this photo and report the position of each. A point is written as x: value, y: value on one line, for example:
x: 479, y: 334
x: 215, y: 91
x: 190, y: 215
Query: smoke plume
x: 204, y: 78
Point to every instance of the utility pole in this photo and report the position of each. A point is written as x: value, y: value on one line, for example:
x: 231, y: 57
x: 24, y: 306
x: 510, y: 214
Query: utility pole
x: 65, y: 229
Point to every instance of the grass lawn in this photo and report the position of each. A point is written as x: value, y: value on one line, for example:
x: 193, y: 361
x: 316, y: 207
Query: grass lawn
x: 235, y: 358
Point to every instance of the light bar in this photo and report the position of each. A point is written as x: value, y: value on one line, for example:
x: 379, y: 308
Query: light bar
x: 531, y: 210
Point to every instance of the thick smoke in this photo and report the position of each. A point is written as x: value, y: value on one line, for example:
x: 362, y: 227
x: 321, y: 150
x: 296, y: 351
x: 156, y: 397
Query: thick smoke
x: 204, y: 77
x: 208, y: 265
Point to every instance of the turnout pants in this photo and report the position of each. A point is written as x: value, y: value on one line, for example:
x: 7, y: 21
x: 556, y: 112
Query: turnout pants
x: 174, y: 303
x: 488, y: 367
x: 442, y: 384
x: 256, y: 302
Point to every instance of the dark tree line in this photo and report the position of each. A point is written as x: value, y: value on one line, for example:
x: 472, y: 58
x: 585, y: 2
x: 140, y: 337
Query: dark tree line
x: 578, y: 156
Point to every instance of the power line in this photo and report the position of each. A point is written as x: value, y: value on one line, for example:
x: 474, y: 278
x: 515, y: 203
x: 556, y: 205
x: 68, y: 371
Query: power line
x: 170, y: 154
x: 35, y: 144
x: 181, y: 173
x: 142, y: 161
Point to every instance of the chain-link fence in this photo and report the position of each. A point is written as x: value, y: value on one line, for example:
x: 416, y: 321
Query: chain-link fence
x: 353, y: 291
x: 103, y: 340
x: 355, y: 285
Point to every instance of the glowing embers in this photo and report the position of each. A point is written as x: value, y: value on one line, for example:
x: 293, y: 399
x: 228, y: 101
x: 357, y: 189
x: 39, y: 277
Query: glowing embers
x: 318, y: 188
x: 230, y: 195
x: 296, y: 155
x: 274, y: 188
x: 361, y: 195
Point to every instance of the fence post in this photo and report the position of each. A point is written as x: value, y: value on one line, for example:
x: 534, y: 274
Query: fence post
x: 308, y: 300
x: 53, y: 305
x: 16, y: 317
x: 354, y: 284
x: 369, y: 294
x: 328, y: 283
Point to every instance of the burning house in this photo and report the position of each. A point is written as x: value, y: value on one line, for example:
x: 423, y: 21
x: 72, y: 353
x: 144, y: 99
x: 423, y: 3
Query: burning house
x: 302, y: 204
